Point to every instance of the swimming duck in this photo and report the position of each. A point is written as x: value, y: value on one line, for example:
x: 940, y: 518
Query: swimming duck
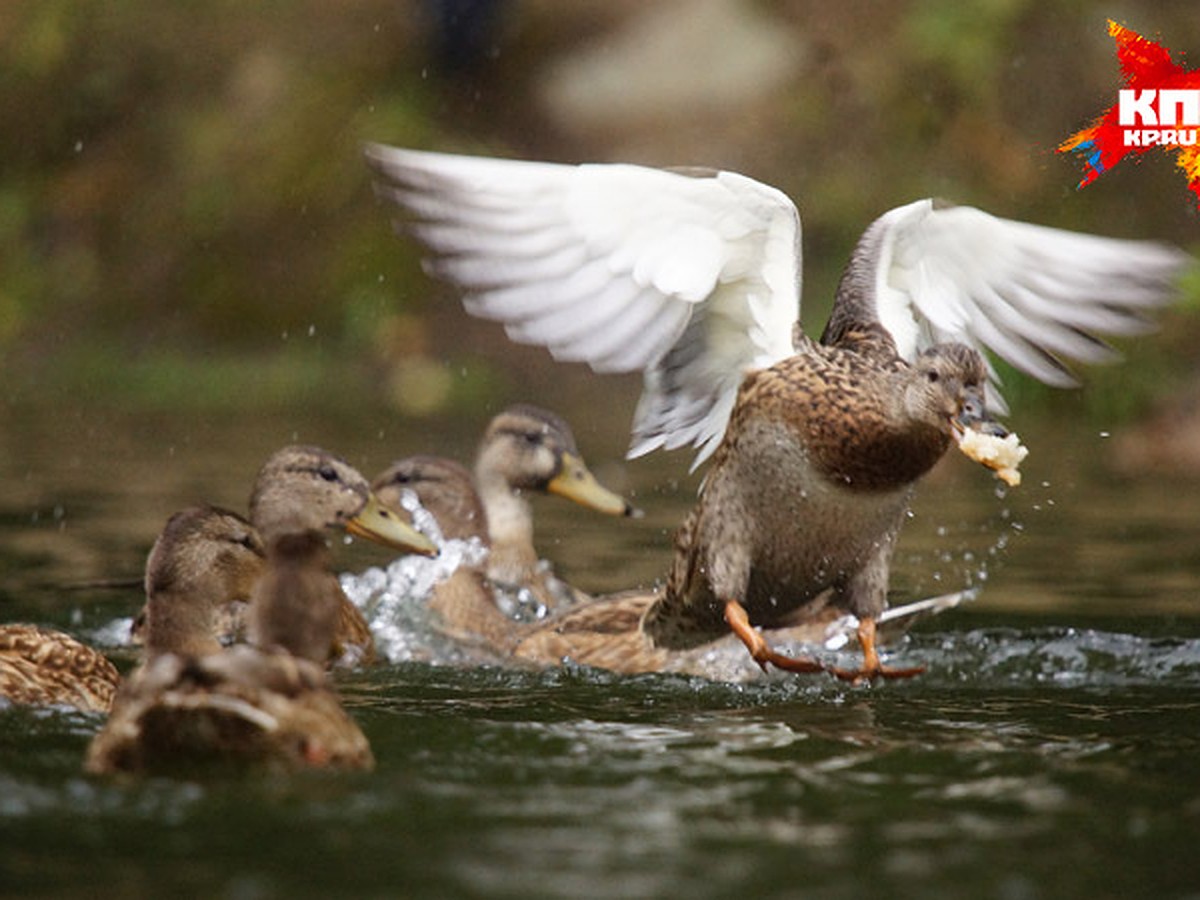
x: 352, y: 643
x: 465, y: 602
x: 524, y: 449
x: 270, y: 702
x: 44, y: 667
x: 204, y: 558
x: 693, y: 278
x: 609, y: 633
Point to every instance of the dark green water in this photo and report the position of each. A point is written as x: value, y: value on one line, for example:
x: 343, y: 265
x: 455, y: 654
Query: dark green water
x: 1052, y: 750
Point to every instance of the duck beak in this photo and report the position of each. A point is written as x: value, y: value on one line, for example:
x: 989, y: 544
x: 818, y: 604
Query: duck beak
x: 576, y: 482
x: 974, y: 416
x: 377, y: 523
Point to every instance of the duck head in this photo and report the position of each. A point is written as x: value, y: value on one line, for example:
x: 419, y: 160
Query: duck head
x: 530, y: 449
x: 306, y: 489
x: 443, y: 487
x: 946, y: 391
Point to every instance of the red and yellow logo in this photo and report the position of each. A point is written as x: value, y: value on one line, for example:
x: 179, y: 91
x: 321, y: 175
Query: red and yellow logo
x: 1158, y: 108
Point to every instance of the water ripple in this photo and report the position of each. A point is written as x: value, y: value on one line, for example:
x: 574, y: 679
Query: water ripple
x: 1069, y: 657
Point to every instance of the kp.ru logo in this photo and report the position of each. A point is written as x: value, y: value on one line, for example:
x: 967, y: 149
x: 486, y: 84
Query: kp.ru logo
x: 1156, y: 108
x: 1159, y: 108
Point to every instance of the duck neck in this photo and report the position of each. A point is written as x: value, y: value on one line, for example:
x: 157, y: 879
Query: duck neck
x: 180, y: 624
x: 511, y: 559
x: 296, y: 602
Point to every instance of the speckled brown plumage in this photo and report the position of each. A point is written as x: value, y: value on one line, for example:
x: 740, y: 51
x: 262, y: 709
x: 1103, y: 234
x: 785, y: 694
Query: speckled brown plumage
x: 809, y: 487
x: 352, y: 642
x: 203, y: 558
x: 607, y: 633
x: 268, y: 704
x: 43, y: 667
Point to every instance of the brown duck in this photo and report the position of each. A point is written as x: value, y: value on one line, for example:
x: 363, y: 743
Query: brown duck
x: 465, y: 603
x: 352, y: 642
x: 194, y: 702
x: 204, y: 559
x: 609, y: 633
x: 524, y: 450
x: 44, y: 667
x: 693, y: 278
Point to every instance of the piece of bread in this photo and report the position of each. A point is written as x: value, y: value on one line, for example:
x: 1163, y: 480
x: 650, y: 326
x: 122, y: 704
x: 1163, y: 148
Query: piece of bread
x: 1002, y: 454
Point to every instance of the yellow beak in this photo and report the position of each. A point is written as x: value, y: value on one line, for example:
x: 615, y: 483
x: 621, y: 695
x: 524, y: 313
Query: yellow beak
x: 377, y: 523
x: 576, y: 482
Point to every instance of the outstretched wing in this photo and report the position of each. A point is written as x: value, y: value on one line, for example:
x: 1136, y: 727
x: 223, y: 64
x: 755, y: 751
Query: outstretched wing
x: 1038, y: 297
x: 689, y: 277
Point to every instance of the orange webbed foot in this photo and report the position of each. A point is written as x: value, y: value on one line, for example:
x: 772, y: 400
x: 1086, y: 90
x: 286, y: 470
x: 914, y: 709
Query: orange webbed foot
x: 760, y: 650
x: 872, y: 668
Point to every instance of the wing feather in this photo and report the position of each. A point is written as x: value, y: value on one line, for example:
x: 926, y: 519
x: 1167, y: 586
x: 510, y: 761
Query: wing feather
x: 689, y: 278
x: 1039, y: 297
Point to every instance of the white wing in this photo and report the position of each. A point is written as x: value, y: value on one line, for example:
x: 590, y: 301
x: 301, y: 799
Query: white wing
x: 690, y: 278
x: 1036, y: 296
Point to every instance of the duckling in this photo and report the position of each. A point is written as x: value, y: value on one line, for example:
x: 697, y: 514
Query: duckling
x: 524, y: 449
x: 271, y: 703
x: 693, y: 278
x: 45, y: 667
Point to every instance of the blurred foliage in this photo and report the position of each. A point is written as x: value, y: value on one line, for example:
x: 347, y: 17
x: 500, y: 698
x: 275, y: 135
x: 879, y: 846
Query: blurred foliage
x: 185, y: 178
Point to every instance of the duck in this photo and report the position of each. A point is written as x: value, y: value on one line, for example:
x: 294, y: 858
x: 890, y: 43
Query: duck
x: 524, y: 450
x: 41, y: 666
x: 464, y: 604
x: 351, y: 646
x: 215, y: 553
x: 608, y: 633
x: 693, y: 278
x: 270, y: 702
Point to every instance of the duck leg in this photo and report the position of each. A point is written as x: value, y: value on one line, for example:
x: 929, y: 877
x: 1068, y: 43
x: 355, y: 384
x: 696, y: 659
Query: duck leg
x: 739, y: 622
x: 872, y: 668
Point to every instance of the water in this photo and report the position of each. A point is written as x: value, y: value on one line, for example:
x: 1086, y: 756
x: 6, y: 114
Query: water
x: 1050, y: 750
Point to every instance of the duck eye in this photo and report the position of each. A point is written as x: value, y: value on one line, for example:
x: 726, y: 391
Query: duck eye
x: 933, y: 376
x: 533, y: 438
x: 328, y: 472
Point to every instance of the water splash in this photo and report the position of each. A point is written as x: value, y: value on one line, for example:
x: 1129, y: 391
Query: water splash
x: 394, y: 600
x: 115, y: 633
x: 1066, y: 657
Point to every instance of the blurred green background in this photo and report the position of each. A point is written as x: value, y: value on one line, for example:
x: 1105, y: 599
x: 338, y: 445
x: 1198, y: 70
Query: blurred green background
x: 185, y: 218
